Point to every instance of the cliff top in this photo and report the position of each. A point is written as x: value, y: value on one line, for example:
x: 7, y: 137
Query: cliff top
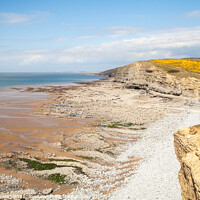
x: 180, y: 67
x: 185, y: 67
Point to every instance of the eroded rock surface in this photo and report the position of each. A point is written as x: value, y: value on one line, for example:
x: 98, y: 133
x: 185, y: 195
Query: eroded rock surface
x: 187, y: 147
x: 147, y: 75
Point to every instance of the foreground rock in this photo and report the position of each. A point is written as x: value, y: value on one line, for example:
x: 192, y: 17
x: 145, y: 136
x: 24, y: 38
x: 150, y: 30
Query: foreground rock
x: 187, y: 147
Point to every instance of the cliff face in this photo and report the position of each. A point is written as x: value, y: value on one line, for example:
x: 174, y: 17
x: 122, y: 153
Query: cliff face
x: 108, y: 73
x: 187, y: 148
x: 147, y: 75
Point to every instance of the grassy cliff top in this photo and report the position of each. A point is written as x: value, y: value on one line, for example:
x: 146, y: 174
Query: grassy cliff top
x: 180, y: 67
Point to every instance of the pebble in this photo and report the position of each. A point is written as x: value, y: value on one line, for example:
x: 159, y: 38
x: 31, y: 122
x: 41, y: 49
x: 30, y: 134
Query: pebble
x: 47, y: 191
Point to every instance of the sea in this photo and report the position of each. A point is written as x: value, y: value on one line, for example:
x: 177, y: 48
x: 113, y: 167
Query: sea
x: 19, y: 79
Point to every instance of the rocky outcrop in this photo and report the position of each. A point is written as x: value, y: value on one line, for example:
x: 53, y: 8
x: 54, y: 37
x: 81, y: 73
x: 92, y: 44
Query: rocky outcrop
x: 187, y: 148
x: 108, y: 73
x: 147, y: 75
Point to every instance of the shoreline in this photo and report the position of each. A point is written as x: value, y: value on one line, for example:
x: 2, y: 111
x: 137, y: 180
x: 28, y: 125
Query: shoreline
x: 61, y: 84
x: 89, y: 127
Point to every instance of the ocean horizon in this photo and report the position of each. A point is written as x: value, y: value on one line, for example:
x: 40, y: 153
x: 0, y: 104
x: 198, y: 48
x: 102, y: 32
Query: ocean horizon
x: 10, y: 79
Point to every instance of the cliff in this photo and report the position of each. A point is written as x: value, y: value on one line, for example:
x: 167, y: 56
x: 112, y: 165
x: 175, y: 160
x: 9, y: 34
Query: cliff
x: 187, y: 148
x: 163, y: 78
x: 108, y: 73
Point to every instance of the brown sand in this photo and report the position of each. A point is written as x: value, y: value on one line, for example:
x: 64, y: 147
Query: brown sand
x: 32, y: 126
x: 24, y: 129
x: 21, y: 130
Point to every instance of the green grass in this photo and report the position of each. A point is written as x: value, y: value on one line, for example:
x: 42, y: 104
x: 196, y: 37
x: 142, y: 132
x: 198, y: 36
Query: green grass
x: 36, y: 165
x: 57, y: 178
x: 136, y: 129
x: 86, y: 157
x: 173, y: 71
x: 73, y: 149
x: 99, y: 150
x: 119, y: 125
x: 129, y: 124
x: 65, y: 160
x: 115, y: 125
x: 179, y: 73
x: 110, y: 153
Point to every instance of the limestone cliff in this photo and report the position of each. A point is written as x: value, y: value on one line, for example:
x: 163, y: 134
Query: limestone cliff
x: 187, y: 148
x: 108, y: 73
x: 149, y: 76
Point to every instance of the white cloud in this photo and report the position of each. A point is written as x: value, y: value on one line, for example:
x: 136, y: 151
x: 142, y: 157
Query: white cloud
x: 111, y: 32
x: 193, y: 14
x: 117, y: 31
x: 33, y: 59
x: 17, y: 18
x: 179, y: 42
x: 160, y: 45
x: 34, y: 56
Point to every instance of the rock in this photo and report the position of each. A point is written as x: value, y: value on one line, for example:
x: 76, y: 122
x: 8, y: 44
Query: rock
x: 11, y: 197
x: 108, y: 73
x: 10, y: 187
x: 7, y: 155
x: 187, y: 148
x: 146, y: 75
x: 47, y: 191
x: 28, y: 192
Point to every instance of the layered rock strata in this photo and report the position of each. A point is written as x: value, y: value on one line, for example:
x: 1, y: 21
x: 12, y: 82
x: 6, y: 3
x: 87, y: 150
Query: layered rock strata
x: 147, y: 75
x: 187, y: 148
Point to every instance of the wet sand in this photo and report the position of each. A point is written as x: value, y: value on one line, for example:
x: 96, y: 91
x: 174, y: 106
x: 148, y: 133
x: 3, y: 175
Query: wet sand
x: 22, y: 130
x: 26, y: 131
x: 81, y: 130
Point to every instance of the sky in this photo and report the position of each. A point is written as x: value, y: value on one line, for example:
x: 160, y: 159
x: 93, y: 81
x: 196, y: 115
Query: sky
x: 95, y: 35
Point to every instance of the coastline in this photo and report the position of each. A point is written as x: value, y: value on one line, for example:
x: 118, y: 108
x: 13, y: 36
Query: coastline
x: 94, y: 125
x: 38, y: 79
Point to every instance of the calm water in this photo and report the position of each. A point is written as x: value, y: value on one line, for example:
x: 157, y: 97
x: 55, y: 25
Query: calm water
x: 14, y: 79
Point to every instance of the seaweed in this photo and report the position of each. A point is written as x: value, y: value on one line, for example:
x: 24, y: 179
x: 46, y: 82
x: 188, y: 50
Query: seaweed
x: 57, y: 178
x: 110, y: 153
x: 36, y: 165
x: 64, y: 160
x: 86, y: 157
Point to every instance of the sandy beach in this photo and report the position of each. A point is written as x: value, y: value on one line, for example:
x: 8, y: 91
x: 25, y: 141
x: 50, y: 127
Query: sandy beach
x: 94, y: 141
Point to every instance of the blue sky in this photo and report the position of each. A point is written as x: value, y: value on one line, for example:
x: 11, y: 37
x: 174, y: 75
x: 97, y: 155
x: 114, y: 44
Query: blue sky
x: 93, y: 35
